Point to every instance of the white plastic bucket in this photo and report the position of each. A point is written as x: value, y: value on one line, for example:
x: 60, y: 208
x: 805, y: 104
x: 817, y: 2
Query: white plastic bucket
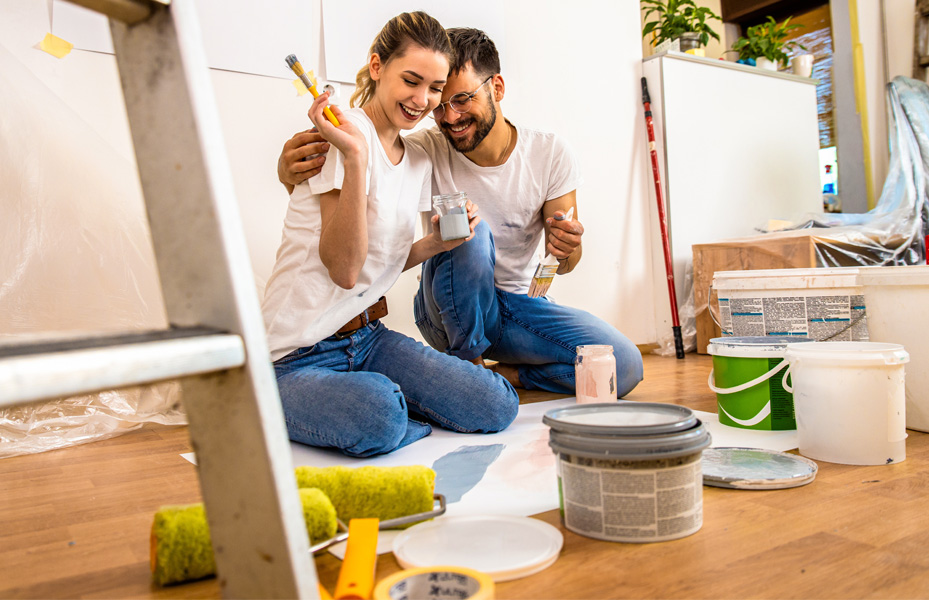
x: 898, y: 313
x: 818, y: 304
x: 849, y: 401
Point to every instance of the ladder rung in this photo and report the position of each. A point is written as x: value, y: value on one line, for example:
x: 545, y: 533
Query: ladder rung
x: 69, y: 367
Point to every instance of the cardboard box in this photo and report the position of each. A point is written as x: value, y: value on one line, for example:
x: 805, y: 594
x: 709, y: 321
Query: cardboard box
x: 799, y: 249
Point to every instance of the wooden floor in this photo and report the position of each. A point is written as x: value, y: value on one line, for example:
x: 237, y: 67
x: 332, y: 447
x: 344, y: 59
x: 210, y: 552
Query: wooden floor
x: 74, y: 523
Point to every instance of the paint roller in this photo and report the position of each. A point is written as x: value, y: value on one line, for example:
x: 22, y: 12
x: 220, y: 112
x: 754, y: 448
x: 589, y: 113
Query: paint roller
x: 180, y: 540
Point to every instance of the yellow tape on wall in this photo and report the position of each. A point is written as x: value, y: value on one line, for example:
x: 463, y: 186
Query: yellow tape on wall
x: 861, y: 100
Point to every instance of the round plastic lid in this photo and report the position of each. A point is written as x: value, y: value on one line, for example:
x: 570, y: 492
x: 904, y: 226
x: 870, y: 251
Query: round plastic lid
x: 504, y: 547
x: 848, y: 353
x: 755, y: 469
x: 621, y: 418
x: 752, y: 346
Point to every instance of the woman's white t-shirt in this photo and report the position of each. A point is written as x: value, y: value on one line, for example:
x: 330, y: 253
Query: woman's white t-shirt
x: 302, y: 305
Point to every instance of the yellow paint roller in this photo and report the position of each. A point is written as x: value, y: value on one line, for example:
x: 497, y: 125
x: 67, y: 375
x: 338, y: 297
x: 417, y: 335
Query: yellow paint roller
x: 180, y: 542
x: 372, y: 492
x: 181, y: 549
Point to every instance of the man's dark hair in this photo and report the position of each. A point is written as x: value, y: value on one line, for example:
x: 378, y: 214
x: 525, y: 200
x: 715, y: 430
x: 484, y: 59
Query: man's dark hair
x: 473, y: 46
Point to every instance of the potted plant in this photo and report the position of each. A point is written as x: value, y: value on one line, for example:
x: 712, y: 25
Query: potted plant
x: 679, y: 19
x: 765, y: 44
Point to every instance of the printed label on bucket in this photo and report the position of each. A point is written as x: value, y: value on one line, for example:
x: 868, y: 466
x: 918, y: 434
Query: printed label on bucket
x: 631, y: 501
x: 766, y: 406
x: 839, y: 318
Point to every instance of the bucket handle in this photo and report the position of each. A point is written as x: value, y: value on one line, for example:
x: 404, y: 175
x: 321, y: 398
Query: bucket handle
x: 789, y: 388
x: 709, y: 305
x: 711, y: 381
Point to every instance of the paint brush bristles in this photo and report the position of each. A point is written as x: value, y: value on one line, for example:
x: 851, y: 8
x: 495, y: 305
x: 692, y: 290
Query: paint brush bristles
x: 547, y: 269
x: 307, y: 80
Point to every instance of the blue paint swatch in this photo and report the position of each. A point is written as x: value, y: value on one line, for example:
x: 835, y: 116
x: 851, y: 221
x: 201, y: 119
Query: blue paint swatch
x: 459, y: 471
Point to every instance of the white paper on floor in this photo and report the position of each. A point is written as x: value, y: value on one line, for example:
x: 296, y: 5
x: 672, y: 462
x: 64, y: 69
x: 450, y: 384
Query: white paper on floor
x: 507, y: 473
x: 725, y: 436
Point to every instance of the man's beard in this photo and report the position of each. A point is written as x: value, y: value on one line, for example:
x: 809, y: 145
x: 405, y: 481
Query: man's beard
x: 483, y: 127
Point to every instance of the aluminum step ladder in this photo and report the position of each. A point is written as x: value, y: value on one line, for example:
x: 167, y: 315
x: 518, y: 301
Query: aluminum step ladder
x: 216, y: 343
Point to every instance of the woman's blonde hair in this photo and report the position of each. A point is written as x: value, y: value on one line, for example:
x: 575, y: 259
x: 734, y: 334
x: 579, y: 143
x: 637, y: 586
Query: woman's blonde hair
x: 407, y: 28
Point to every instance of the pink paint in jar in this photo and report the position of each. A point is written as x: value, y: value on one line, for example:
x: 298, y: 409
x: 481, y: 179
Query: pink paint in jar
x: 595, y: 374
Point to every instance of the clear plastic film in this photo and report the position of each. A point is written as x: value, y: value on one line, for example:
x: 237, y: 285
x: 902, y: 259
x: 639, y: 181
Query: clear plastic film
x: 892, y: 233
x: 75, y: 256
x: 687, y: 318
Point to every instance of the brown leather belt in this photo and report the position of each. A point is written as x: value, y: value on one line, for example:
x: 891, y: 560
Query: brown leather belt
x: 372, y: 313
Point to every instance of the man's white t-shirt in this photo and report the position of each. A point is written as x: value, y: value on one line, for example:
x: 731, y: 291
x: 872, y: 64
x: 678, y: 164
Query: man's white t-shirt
x: 510, y: 196
x: 302, y: 305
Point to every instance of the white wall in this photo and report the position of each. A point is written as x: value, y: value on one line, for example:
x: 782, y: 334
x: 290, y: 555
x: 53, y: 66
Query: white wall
x: 573, y: 72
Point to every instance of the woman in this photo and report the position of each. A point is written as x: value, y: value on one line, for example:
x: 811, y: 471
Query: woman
x: 346, y: 381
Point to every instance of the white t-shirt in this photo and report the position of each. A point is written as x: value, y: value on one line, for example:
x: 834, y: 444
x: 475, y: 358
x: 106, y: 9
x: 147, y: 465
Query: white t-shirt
x: 510, y: 196
x: 302, y: 305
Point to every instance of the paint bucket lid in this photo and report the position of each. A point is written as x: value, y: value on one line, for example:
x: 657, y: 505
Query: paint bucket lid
x: 755, y: 469
x: 626, y: 430
x: 504, y: 547
x: 760, y: 346
x: 620, y: 418
x: 786, y: 279
x: 847, y: 354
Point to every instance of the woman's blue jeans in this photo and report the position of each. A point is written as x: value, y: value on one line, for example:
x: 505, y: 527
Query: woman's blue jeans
x: 358, y: 394
x: 460, y: 311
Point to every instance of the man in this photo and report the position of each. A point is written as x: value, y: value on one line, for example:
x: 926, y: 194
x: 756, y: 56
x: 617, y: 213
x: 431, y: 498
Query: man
x: 472, y: 301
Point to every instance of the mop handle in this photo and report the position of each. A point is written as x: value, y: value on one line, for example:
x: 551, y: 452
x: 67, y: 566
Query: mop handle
x: 663, y: 222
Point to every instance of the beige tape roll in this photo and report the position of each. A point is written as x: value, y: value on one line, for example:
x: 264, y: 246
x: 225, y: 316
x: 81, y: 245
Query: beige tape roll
x: 436, y: 583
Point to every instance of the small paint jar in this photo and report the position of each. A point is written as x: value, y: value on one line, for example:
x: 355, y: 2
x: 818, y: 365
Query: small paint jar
x: 595, y: 374
x: 453, y: 215
x: 629, y: 471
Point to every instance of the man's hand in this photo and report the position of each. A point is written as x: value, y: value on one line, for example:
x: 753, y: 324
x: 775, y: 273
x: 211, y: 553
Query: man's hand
x: 564, y: 236
x: 303, y: 157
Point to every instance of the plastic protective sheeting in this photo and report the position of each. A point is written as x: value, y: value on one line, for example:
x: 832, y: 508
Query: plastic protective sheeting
x: 892, y: 233
x: 687, y: 318
x: 75, y: 255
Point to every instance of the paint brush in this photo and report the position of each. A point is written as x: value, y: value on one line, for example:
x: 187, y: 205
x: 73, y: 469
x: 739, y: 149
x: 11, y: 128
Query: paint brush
x: 548, y: 267
x: 307, y: 80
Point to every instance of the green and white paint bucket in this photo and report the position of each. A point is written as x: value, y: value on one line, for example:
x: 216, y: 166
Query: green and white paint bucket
x: 747, y: 378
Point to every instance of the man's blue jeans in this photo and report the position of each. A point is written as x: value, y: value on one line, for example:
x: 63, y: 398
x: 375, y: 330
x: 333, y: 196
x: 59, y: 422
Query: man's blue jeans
x: 460, y: 311
x: 357, y: 394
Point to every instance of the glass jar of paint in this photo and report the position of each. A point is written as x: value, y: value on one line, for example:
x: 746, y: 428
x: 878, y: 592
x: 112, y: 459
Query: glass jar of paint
x: 453, y: 215
x: 595, y: 374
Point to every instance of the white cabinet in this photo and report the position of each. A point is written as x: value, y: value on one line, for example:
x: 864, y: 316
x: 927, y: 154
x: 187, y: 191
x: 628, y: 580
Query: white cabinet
x: 737, y: 146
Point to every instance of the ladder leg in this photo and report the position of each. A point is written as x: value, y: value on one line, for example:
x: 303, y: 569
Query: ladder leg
x: 236, y: 421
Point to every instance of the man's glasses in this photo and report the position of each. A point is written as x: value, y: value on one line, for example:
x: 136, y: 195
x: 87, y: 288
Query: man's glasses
x: 460, y: 103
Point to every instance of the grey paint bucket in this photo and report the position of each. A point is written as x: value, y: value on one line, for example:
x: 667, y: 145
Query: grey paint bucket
x: 629, y: 471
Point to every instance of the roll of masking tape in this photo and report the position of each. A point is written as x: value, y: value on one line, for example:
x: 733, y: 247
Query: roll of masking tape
x: 436, y: 583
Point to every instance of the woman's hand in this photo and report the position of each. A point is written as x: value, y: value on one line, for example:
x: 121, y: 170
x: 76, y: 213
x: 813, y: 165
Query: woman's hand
x: 444, y: 246
x: 432, y: 244
x: 346, y: 137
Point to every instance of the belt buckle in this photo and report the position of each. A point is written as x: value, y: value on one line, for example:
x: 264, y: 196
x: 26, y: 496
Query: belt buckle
x: 364, y: 322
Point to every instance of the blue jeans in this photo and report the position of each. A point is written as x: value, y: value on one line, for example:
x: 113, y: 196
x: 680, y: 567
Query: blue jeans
x: 460, y: 311
x: 357, y: 394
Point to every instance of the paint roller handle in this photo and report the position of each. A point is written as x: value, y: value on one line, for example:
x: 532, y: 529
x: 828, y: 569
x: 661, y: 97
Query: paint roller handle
x: 678, y: 341
x: 356, y: 577
x: 390, y: 523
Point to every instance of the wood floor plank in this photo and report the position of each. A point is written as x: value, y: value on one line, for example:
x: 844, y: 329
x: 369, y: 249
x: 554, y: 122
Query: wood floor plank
x: 74, y: 523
